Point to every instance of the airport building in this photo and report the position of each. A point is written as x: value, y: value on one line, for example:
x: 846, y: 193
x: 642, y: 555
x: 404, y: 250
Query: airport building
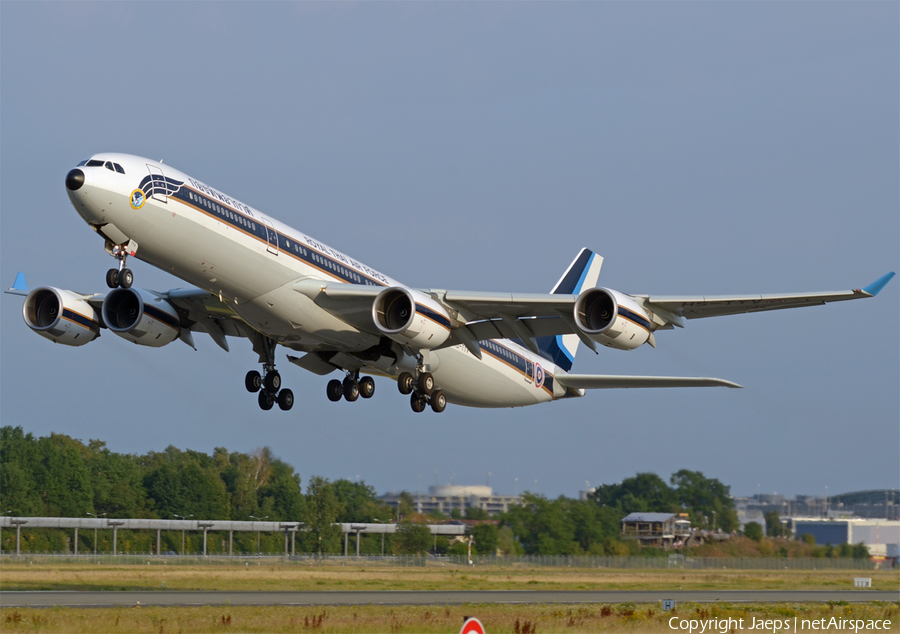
x: 874, y: 504
x: 447, y: 498
x: 880, y: 536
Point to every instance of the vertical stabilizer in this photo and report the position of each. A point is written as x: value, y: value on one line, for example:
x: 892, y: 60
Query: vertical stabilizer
x: 581, y: 274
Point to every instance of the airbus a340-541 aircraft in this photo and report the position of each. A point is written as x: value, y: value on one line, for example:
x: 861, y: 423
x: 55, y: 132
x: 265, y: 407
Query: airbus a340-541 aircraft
x: 260, y: 279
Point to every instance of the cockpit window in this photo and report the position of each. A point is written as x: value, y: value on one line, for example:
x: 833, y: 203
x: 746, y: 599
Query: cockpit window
x: 119, y: 168
x: 84, y: 162
x: 94, y: 163
x: 109, y: 166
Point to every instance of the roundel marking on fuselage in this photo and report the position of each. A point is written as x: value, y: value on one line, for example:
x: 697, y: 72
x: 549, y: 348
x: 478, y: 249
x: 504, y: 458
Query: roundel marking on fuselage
x: 538, y: 376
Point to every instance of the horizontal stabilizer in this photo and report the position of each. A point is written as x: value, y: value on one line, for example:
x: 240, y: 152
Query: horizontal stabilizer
x: 604, y: 382
x: 19, y: 287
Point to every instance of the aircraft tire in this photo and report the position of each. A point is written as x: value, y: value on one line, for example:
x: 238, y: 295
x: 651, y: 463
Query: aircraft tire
x: 126, y: 278
x: 438, y: 401
x: 405, y: 383
x: 335, y: 390
x: 351, y: 389
x: 266, y: 400
x: 253, y: 381
x: 285, y: 399
x: 417, y: 402
x: 272, y: 382
x: 112, y: 278
x: 426, y: 383
x: 367, y: 387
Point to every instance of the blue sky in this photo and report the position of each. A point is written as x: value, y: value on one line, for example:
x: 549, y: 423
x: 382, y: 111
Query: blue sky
x: 701, y: 148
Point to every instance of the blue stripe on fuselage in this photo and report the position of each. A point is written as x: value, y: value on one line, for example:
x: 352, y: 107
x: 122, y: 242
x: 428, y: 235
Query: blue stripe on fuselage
x: 514, y: 360
x: 284, y: 244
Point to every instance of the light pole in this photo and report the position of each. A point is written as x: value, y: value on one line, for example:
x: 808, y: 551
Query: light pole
x: 182, y: 530
x: 95, y: 529
x: 259, y: 519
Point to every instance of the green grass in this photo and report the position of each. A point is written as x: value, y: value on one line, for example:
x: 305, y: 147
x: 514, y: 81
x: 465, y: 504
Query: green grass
x: 545, y: 619
x: 286, y: 577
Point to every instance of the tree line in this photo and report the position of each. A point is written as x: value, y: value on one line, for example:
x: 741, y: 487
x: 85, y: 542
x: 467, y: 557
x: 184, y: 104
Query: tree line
x: 58, y: 476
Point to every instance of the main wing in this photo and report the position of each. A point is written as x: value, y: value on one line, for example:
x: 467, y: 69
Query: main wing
x: 697, y: 306
x: 481, y: 315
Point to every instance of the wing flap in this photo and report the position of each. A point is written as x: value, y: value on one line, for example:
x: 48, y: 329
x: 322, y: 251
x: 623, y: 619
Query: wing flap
x: 603, y: 382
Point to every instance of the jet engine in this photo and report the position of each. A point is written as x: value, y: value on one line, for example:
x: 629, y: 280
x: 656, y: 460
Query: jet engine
x: 140, y: 317
x: 410, y: 317
x: 612, y: 318
x: 61, y: 316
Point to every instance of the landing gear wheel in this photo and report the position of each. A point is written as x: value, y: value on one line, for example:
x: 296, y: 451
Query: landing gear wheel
x: 285, y: 399
x: 253, y: 381
x: 438, y: 401
x: 405, y: 383
x: 112, y: 278
x: 417, y: 402
x: 126, y: 278
x: 350, y: 389
x: 366, y: 387
x: 272, y: 382
x: 335, y: 390
x: 426, y: 383
x: 266, y: 400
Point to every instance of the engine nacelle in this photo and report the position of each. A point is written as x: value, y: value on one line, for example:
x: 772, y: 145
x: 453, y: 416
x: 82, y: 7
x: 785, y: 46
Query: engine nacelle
x: 411, y: 318
x: 612, y: 318
x: 61, y: 316
x: 140, y: 317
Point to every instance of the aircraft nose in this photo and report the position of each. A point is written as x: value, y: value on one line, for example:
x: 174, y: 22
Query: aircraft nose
x: 74, y: 179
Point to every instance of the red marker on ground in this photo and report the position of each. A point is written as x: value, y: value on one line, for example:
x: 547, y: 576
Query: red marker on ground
x: 472, y: 626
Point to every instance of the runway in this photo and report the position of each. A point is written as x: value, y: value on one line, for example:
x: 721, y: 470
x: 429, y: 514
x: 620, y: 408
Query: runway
x: 438, y: 597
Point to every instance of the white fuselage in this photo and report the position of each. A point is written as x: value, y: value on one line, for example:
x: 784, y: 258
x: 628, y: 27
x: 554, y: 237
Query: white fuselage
x: 253, y: 262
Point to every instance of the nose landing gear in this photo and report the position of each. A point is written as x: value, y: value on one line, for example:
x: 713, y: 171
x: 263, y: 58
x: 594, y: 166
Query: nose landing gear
x: 121, y: 276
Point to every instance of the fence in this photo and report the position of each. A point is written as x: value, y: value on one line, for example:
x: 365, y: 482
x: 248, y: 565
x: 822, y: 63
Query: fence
x: 517, y: 561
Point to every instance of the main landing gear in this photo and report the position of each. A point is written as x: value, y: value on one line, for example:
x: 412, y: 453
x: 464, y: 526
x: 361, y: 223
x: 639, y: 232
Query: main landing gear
x: 121, y: 276
x: 269, y: 385
x: 351, y: 388
x: 269, y: 388
x: 422, y: 392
